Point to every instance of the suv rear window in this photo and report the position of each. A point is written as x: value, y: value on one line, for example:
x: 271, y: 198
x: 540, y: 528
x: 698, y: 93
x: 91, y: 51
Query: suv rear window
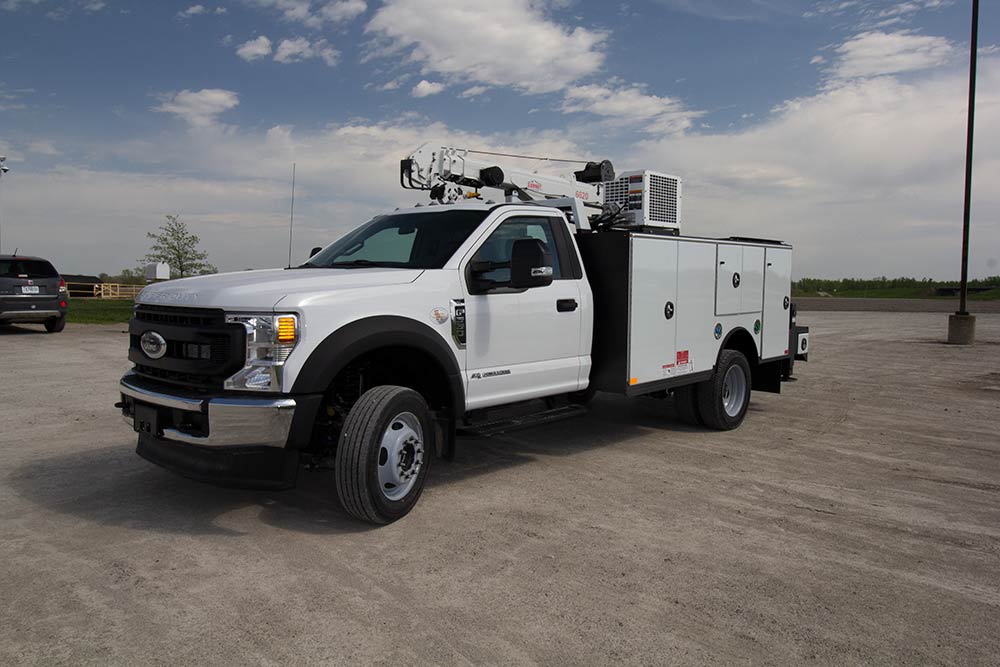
x: 26, y: 268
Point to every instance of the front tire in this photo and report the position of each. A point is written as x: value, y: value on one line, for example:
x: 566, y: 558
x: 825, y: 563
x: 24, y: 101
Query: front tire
x: 723, y: 400
x: 384, y: 454
x: 56, y: 324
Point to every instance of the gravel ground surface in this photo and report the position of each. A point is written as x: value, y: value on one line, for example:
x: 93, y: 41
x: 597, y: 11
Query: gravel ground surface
x: 894, y: 305
x: 854, y: 519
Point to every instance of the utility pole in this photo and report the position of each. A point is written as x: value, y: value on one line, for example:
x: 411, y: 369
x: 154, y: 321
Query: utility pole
x: 3, y: 170
x: 962, y: 325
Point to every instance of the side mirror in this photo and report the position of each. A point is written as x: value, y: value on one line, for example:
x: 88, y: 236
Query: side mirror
x: 530, y: 264
x: 314, y: 252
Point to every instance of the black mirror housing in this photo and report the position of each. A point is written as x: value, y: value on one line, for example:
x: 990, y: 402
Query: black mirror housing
x: 314, y: 252
x: 530, y: 264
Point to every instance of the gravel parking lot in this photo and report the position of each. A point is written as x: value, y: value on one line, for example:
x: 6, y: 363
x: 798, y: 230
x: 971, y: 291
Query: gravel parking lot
x: 854, y: 519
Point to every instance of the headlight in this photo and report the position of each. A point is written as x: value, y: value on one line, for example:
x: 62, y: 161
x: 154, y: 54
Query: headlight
x: 270, y: 339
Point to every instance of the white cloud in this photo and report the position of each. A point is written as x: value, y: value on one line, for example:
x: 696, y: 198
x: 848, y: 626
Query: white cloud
x: 734, y: 10
x: 313, y: 14
x: 11, y: 98
x: 343, y: 10
x: 193, y: 10
x: 817, y: 60
x: 59, y: 13
x: 879, y: 53
x: 864, y: 177
x: 394, y: 84
x: 510, y: 43
x: 14, y: 5
x: 43, y: 147
x: 474, y: 91
x: 253, y: 49
x: 426, y: 88
x: 199, y: 108
x: 874, y: 15
x: 299, y: 49
x: 629, y: 105
x: 218, y: 11
x: 345, y: 174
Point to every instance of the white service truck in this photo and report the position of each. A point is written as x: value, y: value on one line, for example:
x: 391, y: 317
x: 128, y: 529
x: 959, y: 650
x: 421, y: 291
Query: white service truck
x: 372, y: 353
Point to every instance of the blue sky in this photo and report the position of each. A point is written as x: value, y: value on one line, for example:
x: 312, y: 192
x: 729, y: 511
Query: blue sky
x: 835, y: 124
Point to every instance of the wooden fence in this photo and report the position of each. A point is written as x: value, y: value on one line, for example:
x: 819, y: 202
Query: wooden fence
x: 103, y: 290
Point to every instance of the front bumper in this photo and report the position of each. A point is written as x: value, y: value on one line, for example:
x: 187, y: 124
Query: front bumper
x: 210, y: 421
x: 232, y: 440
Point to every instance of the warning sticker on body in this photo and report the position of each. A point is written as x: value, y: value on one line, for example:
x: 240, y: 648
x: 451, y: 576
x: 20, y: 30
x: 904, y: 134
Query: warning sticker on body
x: 683, y: 362
x: 680, y: 366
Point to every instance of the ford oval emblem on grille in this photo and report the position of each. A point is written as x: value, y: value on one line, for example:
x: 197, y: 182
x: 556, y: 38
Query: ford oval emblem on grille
x: 153, y: 345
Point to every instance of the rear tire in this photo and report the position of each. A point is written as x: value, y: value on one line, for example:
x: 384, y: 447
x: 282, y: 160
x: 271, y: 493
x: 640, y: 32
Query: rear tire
x: 686, y: 405
x: 723, y: 400
x: 384, y: 454
x: 56, y: 324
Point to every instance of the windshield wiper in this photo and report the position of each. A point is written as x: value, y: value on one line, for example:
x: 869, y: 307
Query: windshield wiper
x: 363, y: 263
x: 353, y: 264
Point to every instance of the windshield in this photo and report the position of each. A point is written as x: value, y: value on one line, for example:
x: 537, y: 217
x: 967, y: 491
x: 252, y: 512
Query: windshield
x: 405, y: 241
x: 26, y: 268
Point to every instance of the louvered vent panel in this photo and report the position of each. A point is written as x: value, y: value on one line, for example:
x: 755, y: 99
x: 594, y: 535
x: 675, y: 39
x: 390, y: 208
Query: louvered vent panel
x: 662, y: 199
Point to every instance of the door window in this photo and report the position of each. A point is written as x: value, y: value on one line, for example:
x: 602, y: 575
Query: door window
x: 498, y: 247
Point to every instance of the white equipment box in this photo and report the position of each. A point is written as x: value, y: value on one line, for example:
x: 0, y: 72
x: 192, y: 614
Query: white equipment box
x: 649, y: 198
x: 668, y: 303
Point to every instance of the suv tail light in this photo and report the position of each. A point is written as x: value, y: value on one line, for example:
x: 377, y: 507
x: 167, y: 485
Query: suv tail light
x: 62, y: 286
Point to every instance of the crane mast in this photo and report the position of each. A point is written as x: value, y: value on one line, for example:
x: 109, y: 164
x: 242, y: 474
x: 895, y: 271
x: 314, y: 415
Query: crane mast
x: 593, y: 197
x: 443, y: 170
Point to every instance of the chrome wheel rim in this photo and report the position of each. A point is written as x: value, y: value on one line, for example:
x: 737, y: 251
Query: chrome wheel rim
x: 400, y: 456
x: 734, y: 391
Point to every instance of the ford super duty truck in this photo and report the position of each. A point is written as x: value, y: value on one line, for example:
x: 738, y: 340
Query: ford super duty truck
x: 374, y: 351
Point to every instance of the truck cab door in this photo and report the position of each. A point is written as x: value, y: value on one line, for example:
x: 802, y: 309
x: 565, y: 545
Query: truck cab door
x: 522, y: 343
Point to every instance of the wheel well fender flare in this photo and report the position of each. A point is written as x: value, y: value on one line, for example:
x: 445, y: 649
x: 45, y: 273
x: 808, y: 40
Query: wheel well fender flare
x: 740, y: 340
x: 365, y: 335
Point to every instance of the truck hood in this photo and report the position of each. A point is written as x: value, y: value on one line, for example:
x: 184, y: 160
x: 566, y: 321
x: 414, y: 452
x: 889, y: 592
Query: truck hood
x: 261, y: 290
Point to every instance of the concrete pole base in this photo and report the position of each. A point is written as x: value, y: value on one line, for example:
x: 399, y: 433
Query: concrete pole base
x: 961, y: 329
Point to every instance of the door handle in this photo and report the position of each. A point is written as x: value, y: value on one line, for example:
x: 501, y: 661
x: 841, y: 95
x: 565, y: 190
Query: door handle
x: 566, y: 305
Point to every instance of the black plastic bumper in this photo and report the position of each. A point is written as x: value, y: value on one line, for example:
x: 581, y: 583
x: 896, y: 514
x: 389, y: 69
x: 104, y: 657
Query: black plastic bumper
x: 243, y: 467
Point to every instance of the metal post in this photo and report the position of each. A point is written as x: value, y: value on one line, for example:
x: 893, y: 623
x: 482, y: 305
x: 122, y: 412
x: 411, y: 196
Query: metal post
x: 961, y: 325
x: 962, y: 310
x: 3, y: 170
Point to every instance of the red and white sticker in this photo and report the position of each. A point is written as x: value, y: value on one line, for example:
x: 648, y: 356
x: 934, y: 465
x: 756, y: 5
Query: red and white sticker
x: 683, y: 362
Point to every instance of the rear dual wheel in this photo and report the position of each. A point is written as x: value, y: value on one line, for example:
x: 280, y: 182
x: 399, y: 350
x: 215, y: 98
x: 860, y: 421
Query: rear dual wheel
x: 384, y: 454
x: 721, y: 401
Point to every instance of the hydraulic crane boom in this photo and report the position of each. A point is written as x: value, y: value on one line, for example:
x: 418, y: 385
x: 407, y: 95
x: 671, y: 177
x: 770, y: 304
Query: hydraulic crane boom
x: 441, y: 170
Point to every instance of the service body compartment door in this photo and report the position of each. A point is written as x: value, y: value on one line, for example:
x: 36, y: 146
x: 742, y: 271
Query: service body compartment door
x: 696, y: 272
x: 777, y: 298
x: 752, y: 280
x: 728, y: 278
x: 652, y: 309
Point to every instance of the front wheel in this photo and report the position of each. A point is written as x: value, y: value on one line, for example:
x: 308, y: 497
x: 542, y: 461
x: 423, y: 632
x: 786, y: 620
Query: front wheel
x: 384, y: 454
x: 723, y: 400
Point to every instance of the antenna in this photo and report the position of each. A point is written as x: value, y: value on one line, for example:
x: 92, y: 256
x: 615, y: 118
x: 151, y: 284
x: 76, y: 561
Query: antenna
x: 291, y: 219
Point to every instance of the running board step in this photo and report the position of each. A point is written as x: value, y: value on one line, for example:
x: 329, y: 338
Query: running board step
x: 500, y: 426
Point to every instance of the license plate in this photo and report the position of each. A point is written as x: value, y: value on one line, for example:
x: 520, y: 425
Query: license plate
x: 29, y: 289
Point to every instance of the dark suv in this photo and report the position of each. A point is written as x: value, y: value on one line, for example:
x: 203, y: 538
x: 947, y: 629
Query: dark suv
x: 31, y: 290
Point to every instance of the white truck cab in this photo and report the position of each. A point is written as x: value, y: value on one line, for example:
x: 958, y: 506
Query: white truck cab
x: 371, y: 353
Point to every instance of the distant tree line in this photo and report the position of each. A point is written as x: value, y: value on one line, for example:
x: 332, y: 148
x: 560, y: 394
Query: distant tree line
x: 813, y: 285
